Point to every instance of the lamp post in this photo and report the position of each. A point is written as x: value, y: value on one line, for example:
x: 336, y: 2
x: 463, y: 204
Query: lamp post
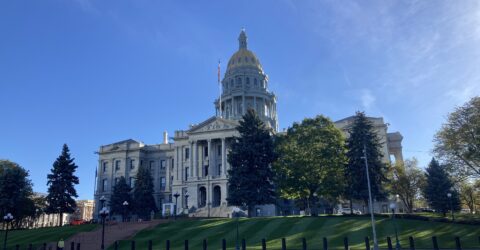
x: 7, y: 219
x: 375, y: 242
x: 103, y: 213
x: 176, y: 195
x: 125, y: 210
x: 449, y: 195
x: 393, y: 205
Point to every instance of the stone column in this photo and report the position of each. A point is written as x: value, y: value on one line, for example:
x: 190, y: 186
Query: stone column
x: 167, y: 174
x: 224, y: 159
x: 210, y: 157
x: 195, y: 160
x: 177, y: 159
x: 190, y: 156
x: 243, y: 105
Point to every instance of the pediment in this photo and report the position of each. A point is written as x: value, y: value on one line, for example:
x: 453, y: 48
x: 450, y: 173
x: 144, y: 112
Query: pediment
x: 213, y: 124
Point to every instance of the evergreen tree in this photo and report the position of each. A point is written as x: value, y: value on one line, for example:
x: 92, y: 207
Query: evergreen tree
x: 121, y: 193
x: 362, y: 136
x: 143, y: 193
x: 311, y: 156
x: 437, y: 187
x: 15, y: 191
x: 61, y: 181
x: 251, y: 177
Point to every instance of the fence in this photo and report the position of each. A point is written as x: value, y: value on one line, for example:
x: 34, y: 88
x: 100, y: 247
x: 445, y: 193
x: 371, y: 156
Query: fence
x: 243, y: 245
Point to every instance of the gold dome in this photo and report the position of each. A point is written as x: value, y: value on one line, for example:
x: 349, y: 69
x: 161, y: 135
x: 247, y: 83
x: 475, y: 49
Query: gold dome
x: 243, y: 57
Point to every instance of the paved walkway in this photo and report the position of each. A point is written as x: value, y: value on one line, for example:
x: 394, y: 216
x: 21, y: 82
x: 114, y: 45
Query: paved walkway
x: 120, y: 231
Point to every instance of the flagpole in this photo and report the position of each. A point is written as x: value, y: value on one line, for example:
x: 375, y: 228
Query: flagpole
x: 220, y: 91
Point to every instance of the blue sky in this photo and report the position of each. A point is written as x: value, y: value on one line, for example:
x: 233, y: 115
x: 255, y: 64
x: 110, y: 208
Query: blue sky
x: 88, y: 73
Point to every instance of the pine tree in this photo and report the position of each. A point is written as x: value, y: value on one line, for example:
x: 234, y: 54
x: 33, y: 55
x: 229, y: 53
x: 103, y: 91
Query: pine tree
x: 143, y: 193
x: 362, y: 136
x: 437, y: 187
x: 61, y: 181
x: 121, y: 193
x: 251, y: 177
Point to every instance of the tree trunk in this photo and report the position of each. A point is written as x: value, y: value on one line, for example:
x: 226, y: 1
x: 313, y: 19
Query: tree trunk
x: 313, y: 207
x: 61, y: 219
x: 249, y: 211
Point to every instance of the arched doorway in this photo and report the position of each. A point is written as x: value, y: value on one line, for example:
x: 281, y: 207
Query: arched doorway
x: 202, y: 194
x: 217, y: 196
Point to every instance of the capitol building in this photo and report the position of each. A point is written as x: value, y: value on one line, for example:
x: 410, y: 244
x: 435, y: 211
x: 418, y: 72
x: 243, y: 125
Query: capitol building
x: 195, y: 165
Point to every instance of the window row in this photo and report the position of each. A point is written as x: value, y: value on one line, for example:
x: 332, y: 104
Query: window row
x: 131, y: 165
x: 239, y: 81
x: 205, y: 152
x: 131, y: 183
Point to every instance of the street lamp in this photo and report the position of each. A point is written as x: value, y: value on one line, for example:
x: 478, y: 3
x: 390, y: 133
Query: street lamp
x: 236, y: 213
x: 7, y: 219
x: 176, y: 195
x: 125, y: 210
x: 392, y: 207
x: 449, y: 195
x: 375, y: 242
x: 103, y: 213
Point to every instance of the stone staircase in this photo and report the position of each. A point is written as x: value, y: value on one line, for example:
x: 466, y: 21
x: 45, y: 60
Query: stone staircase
x: 113, y: 232
x: 221, y: 211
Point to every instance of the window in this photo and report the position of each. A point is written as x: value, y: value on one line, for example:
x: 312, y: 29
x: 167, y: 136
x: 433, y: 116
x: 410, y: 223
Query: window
x: 206, y: 170
x: 152, y: 165
x: 171, y: 180
x: 163, y: 183
x: 219, y: 150
x: 255, y: 82
x: 132, y: 163
x: 170, y: 198
x: 219, y: 172
x: 248, y: 80
x: 163, y: 164
x: 132, y: 182
x: 116, y: 181
x: 117, y: 165
x: 187, y: 153
x: 205, y: 151
x: 141, y: 162
x: 186, y: 173
x: 104, y: 185
x: 173, y: 161
x: 105, y: 167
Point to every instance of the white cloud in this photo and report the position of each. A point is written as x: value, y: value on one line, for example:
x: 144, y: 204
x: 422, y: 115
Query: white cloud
x: 367, y: 99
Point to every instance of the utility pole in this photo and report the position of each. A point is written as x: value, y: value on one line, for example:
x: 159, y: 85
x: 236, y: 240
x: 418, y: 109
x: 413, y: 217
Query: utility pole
x: 370, y: 204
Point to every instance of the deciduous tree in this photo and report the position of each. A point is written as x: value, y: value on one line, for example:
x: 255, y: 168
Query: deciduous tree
x: 311, y: 159
x: 407, y: 182
x: 251, y: 155
x: 458, y: 141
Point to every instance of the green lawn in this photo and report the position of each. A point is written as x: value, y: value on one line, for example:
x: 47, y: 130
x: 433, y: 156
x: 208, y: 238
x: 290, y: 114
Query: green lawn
x: 41, y: 235
x: 294, y: 228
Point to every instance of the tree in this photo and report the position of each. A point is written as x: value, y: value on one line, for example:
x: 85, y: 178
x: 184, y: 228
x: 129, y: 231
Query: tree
x: 121, y: 193
x: 458, y: 141
x: 437, y: 186
x: 469, y: 193
x: 311, y: 159
x: 363, y: 136
x: 143, y: 199
x: 15, y: 191
x: 61, y: 189
x: 407, y: 182
x: 250, y: 180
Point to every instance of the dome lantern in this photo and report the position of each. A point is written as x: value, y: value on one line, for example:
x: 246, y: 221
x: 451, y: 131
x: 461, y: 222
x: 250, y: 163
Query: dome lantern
x: 242, y: 40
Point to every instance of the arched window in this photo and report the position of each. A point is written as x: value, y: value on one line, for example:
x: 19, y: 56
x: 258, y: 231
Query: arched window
x: 231, y: 83
x: 248, y: 80
x: 255, y: 82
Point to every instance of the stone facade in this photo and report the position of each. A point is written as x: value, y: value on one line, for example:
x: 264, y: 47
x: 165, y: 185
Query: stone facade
x: 195, y: 163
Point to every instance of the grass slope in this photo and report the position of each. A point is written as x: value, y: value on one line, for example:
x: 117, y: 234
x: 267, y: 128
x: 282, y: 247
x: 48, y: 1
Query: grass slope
x: 295, y: 228
x: 43, y: 235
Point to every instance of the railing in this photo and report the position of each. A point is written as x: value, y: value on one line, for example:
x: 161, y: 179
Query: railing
x: 264, y: 246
